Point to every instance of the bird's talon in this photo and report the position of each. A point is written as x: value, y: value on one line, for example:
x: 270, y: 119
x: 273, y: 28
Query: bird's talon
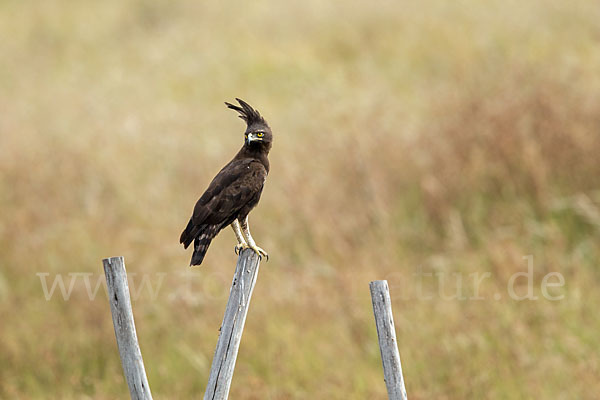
x: 239, y: 247
x: 261, y: 253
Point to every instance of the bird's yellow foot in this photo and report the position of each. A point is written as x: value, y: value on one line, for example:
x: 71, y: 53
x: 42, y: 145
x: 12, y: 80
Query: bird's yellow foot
x: 261, y: 253
x: 239, y: 247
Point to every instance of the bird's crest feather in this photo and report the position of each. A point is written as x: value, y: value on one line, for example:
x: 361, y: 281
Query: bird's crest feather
x: 247, y: 113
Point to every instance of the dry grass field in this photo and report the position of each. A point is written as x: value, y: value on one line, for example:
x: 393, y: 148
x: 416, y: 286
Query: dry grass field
x: 439, y: 145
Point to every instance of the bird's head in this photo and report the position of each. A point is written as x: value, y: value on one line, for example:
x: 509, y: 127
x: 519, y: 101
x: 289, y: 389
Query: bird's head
x: 258, y: 133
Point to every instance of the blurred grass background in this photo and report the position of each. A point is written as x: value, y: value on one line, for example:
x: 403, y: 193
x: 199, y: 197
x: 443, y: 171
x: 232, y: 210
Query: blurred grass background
x: 445, y: 137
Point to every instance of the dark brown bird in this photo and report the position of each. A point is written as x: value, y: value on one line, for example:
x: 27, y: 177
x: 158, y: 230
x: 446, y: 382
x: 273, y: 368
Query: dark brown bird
x: 234, y: 192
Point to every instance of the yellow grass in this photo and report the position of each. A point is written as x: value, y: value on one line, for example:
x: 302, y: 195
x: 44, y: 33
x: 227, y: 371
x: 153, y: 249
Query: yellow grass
x: 450, y: 138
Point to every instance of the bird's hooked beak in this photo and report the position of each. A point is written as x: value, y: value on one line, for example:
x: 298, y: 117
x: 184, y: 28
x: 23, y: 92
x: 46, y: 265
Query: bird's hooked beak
x: 253, y: 137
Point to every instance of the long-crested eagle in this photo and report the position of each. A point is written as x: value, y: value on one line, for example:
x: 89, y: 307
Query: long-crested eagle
x: 234, y: 192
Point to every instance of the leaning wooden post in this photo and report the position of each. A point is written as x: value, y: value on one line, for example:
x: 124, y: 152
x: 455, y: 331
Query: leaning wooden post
x: 122, y: 315
x: 384, y: 320
x: 221, y: 371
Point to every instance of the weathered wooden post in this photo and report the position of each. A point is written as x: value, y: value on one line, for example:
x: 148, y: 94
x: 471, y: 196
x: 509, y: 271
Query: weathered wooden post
x: 122, y: 316
x: 384, y: 320
x: 221, y: 371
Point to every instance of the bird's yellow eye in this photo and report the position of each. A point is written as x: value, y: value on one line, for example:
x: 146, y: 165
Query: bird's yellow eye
x: 260, y: 134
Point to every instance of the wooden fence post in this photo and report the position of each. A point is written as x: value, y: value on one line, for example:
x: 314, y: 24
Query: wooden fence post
x: 122, y: 316
x: 384, y: 320
x: 221, y: 371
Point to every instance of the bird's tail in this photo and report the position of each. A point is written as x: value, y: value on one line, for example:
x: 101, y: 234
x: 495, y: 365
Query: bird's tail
x: 189, y: 234
x: 205, y: 235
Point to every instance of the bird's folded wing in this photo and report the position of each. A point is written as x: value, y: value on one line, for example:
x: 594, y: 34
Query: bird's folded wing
x: 233, y: 187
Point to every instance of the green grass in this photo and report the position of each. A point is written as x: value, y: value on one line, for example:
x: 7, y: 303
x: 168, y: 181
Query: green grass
x: 448, y: 138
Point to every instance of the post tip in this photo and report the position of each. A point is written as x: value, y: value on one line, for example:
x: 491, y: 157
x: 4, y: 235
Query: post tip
x: 108, y: 262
